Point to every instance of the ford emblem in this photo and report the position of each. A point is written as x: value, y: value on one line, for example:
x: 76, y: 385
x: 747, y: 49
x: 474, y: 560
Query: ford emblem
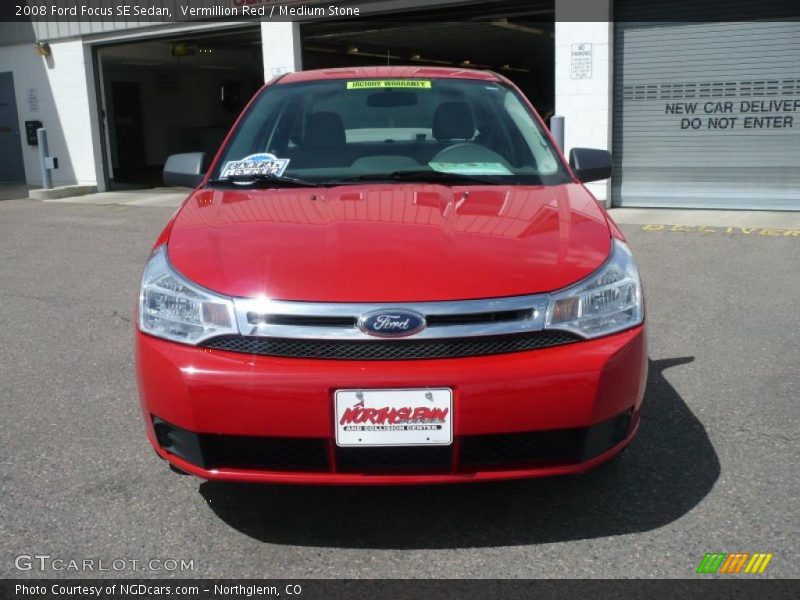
x: 391, y: 323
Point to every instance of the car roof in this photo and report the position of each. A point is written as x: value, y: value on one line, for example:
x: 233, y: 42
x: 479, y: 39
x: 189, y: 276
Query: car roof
x: 390, y: 72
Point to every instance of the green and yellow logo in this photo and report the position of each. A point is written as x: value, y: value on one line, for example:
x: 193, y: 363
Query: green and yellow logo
x: 736, y: 562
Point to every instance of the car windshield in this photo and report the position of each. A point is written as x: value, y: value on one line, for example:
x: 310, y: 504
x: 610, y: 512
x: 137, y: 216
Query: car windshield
x: 338, y: 131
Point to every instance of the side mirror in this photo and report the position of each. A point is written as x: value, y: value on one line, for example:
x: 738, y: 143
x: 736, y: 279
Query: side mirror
x: 185, y: 170
x: 589, y: 164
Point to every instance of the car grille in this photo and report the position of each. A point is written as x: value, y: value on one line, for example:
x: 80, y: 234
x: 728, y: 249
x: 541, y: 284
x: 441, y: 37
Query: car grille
x: 391, y: 459
x: 330, y: 328
x: 391, y: 350
x: 467, y: 454
x: 271, y: 453
x: 512, y: 448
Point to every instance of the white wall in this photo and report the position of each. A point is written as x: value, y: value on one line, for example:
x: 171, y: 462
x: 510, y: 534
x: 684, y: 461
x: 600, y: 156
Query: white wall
x: 281, y: 47
x: 586, y: 103
x: 64, y: 88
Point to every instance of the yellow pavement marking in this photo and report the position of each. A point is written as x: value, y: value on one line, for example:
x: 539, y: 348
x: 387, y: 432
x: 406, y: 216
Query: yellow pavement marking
x: 732, y: 231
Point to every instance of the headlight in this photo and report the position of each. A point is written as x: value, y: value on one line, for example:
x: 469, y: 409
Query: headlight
x: 173, y: 308
x: 609, y: 300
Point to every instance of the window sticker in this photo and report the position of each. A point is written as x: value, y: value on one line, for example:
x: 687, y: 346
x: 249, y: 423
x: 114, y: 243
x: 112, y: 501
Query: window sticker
x: 256, y: 164
x: 472, y: 168
x: 371, y: 84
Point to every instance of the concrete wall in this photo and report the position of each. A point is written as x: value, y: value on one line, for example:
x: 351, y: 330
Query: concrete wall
x: 64, y: 89
x: 281, y: 47
x: 585, y: 101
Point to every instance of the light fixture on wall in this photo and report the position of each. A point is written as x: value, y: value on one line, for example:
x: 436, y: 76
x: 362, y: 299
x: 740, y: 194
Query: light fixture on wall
x: 516, y: 69
x: 354, y: 51
x: 181, y: 49
x: 422, y: 59
x: 504, y: 23
x: 43, y: 49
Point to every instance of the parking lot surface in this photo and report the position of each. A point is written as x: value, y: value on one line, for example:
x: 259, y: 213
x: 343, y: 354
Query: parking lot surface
x: 713, y: 469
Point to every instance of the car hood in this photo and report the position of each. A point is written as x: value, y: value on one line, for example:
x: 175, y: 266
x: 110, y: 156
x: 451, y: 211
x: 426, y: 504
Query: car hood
x: 389, y: 242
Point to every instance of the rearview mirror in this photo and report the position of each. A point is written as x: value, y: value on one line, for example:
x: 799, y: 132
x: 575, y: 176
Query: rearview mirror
x: 185, y: 170
x: 389, y: 99
x: 589, y: 164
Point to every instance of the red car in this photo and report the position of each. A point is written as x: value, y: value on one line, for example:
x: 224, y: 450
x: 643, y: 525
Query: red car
x: 390, y: 275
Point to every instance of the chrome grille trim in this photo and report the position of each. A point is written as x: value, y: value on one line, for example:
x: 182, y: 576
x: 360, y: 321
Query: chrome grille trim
x: 532, y: 312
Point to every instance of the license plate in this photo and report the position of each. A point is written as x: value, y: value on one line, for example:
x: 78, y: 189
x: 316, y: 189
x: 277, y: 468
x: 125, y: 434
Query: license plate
x: 407, y: 417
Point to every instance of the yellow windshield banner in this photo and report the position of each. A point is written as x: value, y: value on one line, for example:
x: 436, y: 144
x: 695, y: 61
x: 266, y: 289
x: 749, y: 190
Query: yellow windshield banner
x: 371, y: 84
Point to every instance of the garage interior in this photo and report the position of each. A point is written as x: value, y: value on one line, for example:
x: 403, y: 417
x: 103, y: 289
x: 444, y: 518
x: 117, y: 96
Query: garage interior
x: 169, y: 95
x: 514, y: 39
x: 181, y: 94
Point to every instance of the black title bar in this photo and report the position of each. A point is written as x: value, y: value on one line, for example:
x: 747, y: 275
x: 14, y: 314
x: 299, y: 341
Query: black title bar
x: 708, y: 587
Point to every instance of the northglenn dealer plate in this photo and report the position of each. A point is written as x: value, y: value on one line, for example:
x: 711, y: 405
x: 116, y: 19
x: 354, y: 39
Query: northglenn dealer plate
x: 407, y: 417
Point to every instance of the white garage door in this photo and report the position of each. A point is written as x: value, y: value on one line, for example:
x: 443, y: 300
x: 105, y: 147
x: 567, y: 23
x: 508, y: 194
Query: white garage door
x: 706, y: 114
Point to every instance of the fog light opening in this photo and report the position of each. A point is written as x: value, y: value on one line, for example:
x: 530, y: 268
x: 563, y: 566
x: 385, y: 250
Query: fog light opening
x: 162, y: 431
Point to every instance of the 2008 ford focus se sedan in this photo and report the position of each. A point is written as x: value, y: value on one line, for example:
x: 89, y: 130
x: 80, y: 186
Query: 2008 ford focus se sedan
x: 390, y: 275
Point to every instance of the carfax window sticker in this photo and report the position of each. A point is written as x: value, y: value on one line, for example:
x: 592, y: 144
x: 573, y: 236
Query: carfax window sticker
x: 371, y: 84
x: 255, y: 164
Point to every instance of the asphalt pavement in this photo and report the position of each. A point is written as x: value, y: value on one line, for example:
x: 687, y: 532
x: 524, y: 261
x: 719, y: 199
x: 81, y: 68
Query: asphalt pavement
x: 713, y: 469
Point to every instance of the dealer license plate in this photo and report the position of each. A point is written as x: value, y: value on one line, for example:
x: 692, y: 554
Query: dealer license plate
x: 408, y: 417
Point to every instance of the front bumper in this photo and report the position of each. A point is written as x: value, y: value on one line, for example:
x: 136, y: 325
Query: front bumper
x: 230, y: 416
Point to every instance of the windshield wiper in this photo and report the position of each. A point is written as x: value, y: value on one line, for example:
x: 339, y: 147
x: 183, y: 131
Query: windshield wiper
x: 264, y: 180
x: 422, y: 176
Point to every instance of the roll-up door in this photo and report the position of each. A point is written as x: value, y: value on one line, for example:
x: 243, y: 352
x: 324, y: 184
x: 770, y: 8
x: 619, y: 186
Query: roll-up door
x: 706, y: 114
